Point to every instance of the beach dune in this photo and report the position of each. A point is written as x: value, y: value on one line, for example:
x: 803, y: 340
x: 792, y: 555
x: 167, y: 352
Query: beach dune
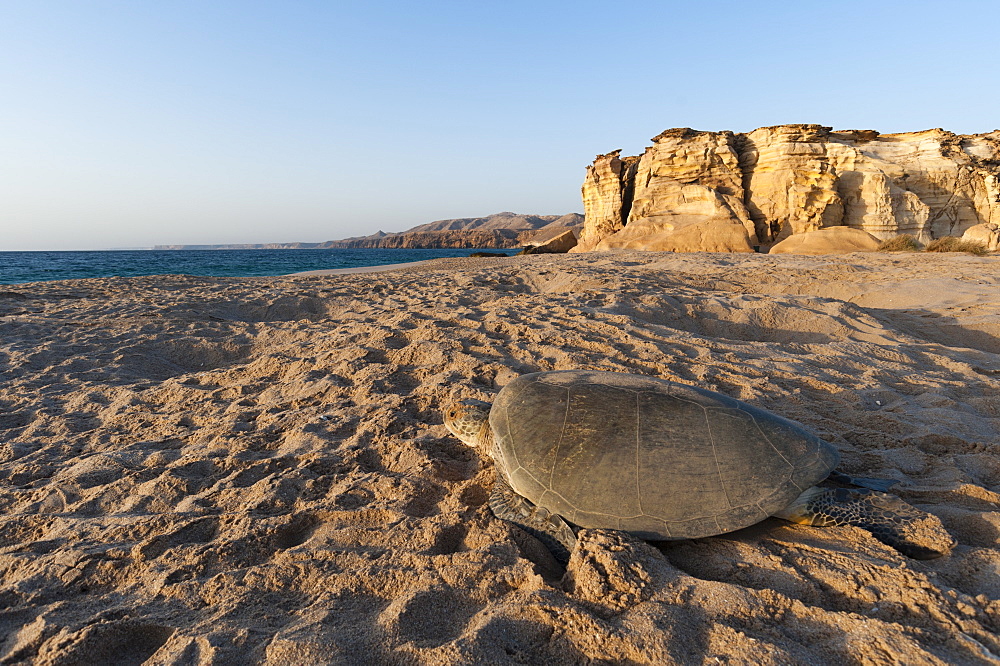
x: 221, y: 470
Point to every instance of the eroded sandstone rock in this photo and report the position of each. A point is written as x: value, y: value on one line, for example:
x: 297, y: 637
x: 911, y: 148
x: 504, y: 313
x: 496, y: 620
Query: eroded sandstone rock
x: 780, y: 181
x: 607, y: 198
x: 833, y: 240
x: 552, y: 243
x: 987, y: 234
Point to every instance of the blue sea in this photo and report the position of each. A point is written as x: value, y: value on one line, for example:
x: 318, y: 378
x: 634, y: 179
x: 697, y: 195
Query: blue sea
x: 16, y: 267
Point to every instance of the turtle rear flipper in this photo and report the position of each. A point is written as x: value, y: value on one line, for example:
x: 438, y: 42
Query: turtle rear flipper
x: 862, y: 481
x: 892, y: 521
x: 547, y: 527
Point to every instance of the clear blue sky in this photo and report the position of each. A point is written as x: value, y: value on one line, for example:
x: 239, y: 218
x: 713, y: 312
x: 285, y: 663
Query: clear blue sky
x: 133, y: 123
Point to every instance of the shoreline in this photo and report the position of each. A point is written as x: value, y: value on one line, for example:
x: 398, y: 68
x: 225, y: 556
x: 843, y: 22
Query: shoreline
x: 359, y: 269
x: 21, y: 268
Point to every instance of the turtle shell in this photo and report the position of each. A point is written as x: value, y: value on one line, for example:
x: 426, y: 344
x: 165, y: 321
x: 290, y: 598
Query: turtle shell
x: 655, y: 458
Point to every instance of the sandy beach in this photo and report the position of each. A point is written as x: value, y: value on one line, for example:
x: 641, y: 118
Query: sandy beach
x: 358, y: 269
x: 255, y: 470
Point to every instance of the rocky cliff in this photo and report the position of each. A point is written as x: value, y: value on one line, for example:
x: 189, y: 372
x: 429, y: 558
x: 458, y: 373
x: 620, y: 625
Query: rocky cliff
x: 505, y: 220
x: 725, y: 191
x: 458, y: 238
x: 500, y: 230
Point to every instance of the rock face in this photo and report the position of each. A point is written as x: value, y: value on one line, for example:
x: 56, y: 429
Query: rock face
x: 607, y: 197
x: 694, y: 190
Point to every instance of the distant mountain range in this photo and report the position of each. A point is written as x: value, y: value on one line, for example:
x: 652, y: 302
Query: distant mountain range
x: 500, y: 230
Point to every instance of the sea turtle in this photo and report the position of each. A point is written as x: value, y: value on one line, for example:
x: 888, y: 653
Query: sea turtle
x: 665, y: 461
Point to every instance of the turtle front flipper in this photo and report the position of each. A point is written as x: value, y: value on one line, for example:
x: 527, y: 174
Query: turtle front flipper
x: 547, y: 527
x: 892, y: 521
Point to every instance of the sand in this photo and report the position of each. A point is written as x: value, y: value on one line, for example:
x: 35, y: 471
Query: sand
x: 218, y: 470
x: 361, y: 269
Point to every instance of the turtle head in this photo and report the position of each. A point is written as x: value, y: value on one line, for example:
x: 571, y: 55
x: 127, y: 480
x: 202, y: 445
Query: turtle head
x: 466, y: 420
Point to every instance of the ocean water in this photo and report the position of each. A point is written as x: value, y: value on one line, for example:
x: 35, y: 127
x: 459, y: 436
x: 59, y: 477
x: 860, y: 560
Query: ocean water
x: 17, y: 267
